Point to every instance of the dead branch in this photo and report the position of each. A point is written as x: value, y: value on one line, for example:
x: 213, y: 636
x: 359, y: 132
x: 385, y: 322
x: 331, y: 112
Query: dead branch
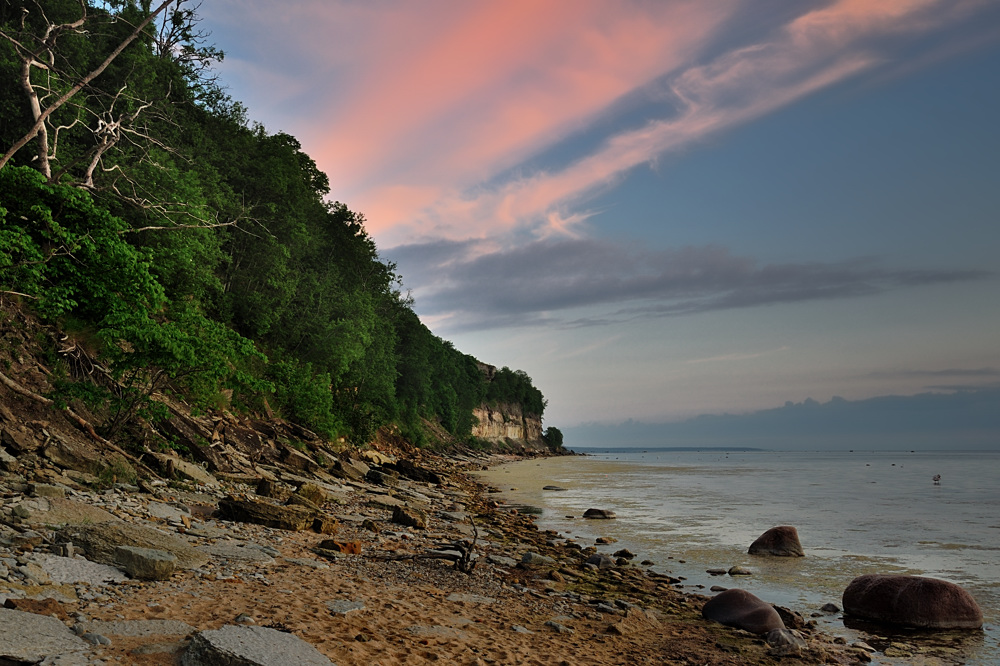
x: 42, y: 116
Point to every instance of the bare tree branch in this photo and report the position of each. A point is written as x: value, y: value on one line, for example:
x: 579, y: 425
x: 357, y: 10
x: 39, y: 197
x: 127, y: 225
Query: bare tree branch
x: 41, y: 116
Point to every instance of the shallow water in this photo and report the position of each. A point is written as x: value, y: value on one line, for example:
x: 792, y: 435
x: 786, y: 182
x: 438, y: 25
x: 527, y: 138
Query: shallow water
x: 856, y: 513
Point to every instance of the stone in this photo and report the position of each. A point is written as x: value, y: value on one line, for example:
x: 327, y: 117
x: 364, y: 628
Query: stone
x: 62, y: 511
x: 269, y: 488
x: 741, y: 609
x: 781, y: 541
x: 185, y: 469
x: 346, y: 547
x: 531, y: 558
x: 39, y: 607
x: 100, y: 541
x: 785, y: 642
x: 601, y: 561
x: 250, y: 646
x: 599, y: 514
x: 739, y: 571
x: 46, y: 490
x: 146, y: 563
x: 409, y: 516
x: 242, y: 552
x: 344, y: 606
x: 259, y: 512
x: 625, y: 553
x: 382, y: 478
x: 18, y: 442
x: 324, y: 524
x: 555, y: 488
x: 312, y: 492
x: 29, y: 639
x: 912, y: 601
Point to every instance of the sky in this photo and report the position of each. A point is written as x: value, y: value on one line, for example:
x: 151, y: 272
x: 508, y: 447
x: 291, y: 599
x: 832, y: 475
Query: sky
x: 659, y: 209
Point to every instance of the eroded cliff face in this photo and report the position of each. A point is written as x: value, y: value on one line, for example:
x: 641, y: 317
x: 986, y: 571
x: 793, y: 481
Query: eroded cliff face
x: 506, y: 422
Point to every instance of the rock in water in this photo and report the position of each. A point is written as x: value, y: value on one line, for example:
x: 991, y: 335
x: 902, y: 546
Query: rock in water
x: 250, y: 646
x: 782, y: 541
x: 912, y: 601
x: 740, y: 609
x: 599, y: 514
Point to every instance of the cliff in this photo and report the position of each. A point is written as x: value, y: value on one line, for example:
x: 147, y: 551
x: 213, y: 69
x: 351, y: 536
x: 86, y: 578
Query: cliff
x: 506, y: 422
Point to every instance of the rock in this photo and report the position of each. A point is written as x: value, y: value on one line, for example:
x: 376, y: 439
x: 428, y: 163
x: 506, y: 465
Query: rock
x: 324, y: 524
x: 29, y: 638
x: 39, y: 607
x: 8, y: 462
x: 185, y: 469
x: 18, y: 442
x: 100, y: 541
x: 376, y: 457
x: 406, y: 468
x: 405, y: 515
x: 259, y: 512
x: 785, y: 642
x: 740, y: 609
x: 269, y: 488
x: 601, y: 561
x: 782, y: 541
x: 312, y: 492
x: 243, y: 552
x: 250, y: 646
x: 556, y: 488
x: 346, y: 470
x: 739, y: 571
x: 61, y: 511
x: 146, y: 563
x: 558, y: 628
x: 830, y: 608
x: 346, y: 547
x: 46, y: 490
x: 533, y: 559
x: 605, y: 540
x: 625, y: 553
x: 912, y: 601
x: 344, y: 606
x: 382, y: 478
x: 601, y: 514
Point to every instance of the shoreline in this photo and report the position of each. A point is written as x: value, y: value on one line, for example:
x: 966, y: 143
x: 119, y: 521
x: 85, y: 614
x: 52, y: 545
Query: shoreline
x: 388, y: 604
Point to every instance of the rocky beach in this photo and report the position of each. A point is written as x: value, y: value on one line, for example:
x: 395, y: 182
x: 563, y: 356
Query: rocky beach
x: 361, y: 569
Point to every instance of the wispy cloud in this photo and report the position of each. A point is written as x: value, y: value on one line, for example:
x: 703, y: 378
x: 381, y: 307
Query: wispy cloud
x: 524, y: 114
x: 586, y: 282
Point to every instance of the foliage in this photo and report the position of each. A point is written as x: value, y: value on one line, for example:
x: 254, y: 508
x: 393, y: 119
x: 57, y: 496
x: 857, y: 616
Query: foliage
x: 203, y: 252
x: 553, y: 438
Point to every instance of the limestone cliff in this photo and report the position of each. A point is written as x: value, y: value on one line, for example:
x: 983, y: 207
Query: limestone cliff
x: 502, y: 423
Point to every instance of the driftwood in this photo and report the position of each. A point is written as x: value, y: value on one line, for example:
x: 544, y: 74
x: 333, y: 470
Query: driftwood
x: 459, y: 552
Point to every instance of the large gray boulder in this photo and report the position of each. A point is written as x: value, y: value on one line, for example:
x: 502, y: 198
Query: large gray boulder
x: 100, y: 542
x: 912, y: 601
x: 28, y: 638
x: 741, y: 609
x: 781, y: 541
x: 250, y: 646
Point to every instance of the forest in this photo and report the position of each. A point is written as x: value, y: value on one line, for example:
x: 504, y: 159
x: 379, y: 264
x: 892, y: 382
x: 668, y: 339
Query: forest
x: 185, y: 250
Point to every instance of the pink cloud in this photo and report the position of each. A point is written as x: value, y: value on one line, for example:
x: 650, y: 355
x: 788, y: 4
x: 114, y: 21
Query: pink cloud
x: 812, y: 52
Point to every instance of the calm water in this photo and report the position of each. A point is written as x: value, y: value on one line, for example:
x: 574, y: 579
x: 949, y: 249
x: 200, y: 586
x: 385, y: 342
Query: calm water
x: 856, y: 513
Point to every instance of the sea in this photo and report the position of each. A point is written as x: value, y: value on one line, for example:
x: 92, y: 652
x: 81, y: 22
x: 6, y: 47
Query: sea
x: 856, y: 512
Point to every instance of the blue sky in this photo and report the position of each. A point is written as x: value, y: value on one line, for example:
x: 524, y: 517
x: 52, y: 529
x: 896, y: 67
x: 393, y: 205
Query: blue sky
x: 662, y: 209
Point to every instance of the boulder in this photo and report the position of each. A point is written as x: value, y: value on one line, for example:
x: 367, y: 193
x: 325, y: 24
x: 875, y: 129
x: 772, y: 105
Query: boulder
x: 604, y: 514
x: 312, y: 492
x: 405, y: 515
x: 250, y: 646
x: 782, y: 541
x: 146, y: 563
x: 259, y: 512
x: 101, y: 540
x: 740, y: 609
x: 184, y: 469
x: 912, y: 601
